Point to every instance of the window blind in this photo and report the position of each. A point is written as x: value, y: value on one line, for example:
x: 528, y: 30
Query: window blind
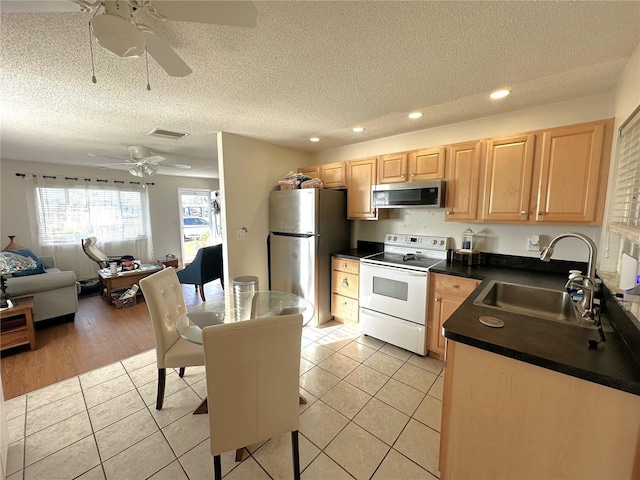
x: 625, y: 212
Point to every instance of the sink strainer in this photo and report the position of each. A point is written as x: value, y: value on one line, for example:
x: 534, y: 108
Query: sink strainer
x: 491, y: 321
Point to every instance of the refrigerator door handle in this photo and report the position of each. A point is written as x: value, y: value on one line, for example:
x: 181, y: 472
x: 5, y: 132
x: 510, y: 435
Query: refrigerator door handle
x: 300, y: 235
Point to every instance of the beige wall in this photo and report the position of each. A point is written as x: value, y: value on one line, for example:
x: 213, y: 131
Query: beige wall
x: 506, y: 239
x: 249, y: 170
x: 163, y: 201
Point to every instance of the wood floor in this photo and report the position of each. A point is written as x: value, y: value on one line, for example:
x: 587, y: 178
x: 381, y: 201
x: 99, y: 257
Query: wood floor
x: 100, y: 335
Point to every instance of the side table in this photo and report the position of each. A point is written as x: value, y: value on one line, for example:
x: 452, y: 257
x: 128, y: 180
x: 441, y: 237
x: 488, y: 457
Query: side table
x: 23, y: 334
x: 173, y: 262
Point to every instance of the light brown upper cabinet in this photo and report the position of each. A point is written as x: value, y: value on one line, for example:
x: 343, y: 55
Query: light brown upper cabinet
x: 313, y: 171
x: 361, y: 176
x: 462, y: 177
x: 507, y: 178
x: 573, y: 163
x: 424, y: 164
x: 392, y: 168
x: 333, y: 175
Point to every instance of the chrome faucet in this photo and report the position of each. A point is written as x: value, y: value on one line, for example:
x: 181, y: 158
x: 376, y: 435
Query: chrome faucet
x: 588, y: 281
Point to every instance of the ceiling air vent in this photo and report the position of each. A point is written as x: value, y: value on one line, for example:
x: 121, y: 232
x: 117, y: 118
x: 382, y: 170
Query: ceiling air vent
x: 158, y: 132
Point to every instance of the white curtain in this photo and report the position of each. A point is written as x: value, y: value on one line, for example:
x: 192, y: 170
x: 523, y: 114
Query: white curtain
x: 63, y: 211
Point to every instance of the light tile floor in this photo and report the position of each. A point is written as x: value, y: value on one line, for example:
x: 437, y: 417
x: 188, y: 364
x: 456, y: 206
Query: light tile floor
x: 373, y: 412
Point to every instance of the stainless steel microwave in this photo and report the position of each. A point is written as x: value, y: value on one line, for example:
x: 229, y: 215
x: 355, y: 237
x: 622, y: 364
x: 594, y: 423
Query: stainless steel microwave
x: 409, y: 194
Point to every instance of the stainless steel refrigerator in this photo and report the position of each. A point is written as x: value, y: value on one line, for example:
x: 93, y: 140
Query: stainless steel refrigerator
x: 305, y: 227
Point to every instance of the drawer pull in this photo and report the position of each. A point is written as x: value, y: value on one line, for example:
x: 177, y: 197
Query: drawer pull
x: 454, y: 285
x: 344, y: 265
x: 344, y: 282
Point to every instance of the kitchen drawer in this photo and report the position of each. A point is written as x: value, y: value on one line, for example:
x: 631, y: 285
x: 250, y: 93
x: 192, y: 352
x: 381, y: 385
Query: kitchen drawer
x: 344, y: 265
x: 344, y: 308
x: 345, y: 283
x: 454, y: 285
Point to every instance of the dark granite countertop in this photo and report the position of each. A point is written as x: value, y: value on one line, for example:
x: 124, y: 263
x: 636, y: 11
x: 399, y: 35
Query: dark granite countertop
x: 549, y: 344
x: 364, y: 249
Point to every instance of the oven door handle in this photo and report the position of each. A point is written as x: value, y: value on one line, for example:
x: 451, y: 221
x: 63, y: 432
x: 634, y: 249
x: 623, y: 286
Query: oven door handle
x: 403, y: 271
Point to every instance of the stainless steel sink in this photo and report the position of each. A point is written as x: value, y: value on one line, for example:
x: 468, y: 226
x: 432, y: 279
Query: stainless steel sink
x: 544, y: 303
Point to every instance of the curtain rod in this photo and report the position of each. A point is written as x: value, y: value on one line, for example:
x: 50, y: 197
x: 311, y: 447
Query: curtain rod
x: 75, y: 179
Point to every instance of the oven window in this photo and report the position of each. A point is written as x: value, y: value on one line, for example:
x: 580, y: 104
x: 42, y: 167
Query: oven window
x: 390, y: 288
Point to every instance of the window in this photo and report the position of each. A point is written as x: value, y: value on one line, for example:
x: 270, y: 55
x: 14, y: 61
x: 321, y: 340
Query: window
x: 625, y: 218
x: 66, y: 214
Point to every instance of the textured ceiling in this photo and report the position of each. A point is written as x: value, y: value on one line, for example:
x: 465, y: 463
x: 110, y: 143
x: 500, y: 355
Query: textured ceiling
x: 307, y: 69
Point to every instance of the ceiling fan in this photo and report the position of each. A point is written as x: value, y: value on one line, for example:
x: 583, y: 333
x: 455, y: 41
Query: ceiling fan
x: 142, y: 162
x: 118, y: 31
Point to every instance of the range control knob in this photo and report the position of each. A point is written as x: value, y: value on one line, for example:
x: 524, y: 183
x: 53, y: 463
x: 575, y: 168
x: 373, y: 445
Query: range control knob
x: 441, y: 242
x: 434, y: 242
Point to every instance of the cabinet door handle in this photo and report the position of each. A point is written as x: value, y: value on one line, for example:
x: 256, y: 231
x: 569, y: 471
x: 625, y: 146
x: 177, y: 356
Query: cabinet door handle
x: 402, y: 175
x: 523, y: 212
x: 437, y: 299
x: 413, y: 174
x: 344, y: 265
x: 449, y: 212
x: 345, y: 283
x: 540, y: 213
x: 455, y: 286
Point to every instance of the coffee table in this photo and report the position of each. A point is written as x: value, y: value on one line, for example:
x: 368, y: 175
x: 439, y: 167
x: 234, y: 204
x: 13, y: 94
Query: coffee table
x: 125, y: 279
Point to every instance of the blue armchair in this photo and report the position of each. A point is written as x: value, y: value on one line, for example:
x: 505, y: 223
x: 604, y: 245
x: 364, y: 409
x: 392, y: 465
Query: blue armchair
x: 206, y: 267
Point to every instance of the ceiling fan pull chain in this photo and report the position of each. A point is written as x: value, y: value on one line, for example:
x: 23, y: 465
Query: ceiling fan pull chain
x: 93, y: 67
x: 146, y: 56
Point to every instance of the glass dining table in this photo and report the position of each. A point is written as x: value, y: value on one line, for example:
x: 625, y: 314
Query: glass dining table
x: 246, y: 306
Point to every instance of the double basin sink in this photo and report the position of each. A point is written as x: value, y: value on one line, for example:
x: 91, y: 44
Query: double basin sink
x: 542, y: 303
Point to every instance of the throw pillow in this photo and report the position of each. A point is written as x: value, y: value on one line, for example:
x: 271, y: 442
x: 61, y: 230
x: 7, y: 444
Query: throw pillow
x: 18, y: 263
x: 25, y: 252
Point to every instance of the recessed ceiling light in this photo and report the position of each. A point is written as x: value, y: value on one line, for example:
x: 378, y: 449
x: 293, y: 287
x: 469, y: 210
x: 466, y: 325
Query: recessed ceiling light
x: 415, y: 115
x: 358, y: 129
x: 314, y: 139
x: 500, y: 94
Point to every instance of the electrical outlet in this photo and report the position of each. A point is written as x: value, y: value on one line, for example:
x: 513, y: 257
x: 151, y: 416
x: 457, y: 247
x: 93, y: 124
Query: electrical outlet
x: 533, y: 243
x: 241, y: 234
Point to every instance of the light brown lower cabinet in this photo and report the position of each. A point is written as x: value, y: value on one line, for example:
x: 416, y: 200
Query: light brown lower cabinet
x: 345, y: 286
x: 446, y: 294
x: 503, y: 418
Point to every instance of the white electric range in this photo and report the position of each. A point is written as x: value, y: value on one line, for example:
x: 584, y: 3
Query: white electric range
x: 394, y: 289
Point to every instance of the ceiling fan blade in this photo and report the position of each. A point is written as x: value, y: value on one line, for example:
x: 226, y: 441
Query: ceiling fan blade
x: 164, y: 54
x: 116, y: 165
x: 177, y: 165
x: 154, y: 159
x: 233, y: 13
x: 107, y: 156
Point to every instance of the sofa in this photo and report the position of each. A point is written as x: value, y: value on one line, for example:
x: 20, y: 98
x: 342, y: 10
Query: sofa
x: 55, y: 293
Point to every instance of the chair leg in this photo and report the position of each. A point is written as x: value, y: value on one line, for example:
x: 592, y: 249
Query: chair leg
x: 239, y: 453
x: 296, y: 454
x: 217, y: 467
x: 202, y: 293
x: 181, y: 372
x: 162, y: 376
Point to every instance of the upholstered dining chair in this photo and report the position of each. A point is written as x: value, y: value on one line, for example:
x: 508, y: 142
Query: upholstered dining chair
x: 206, y: 267
x: 253, y: 375
x: 165, y: 301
